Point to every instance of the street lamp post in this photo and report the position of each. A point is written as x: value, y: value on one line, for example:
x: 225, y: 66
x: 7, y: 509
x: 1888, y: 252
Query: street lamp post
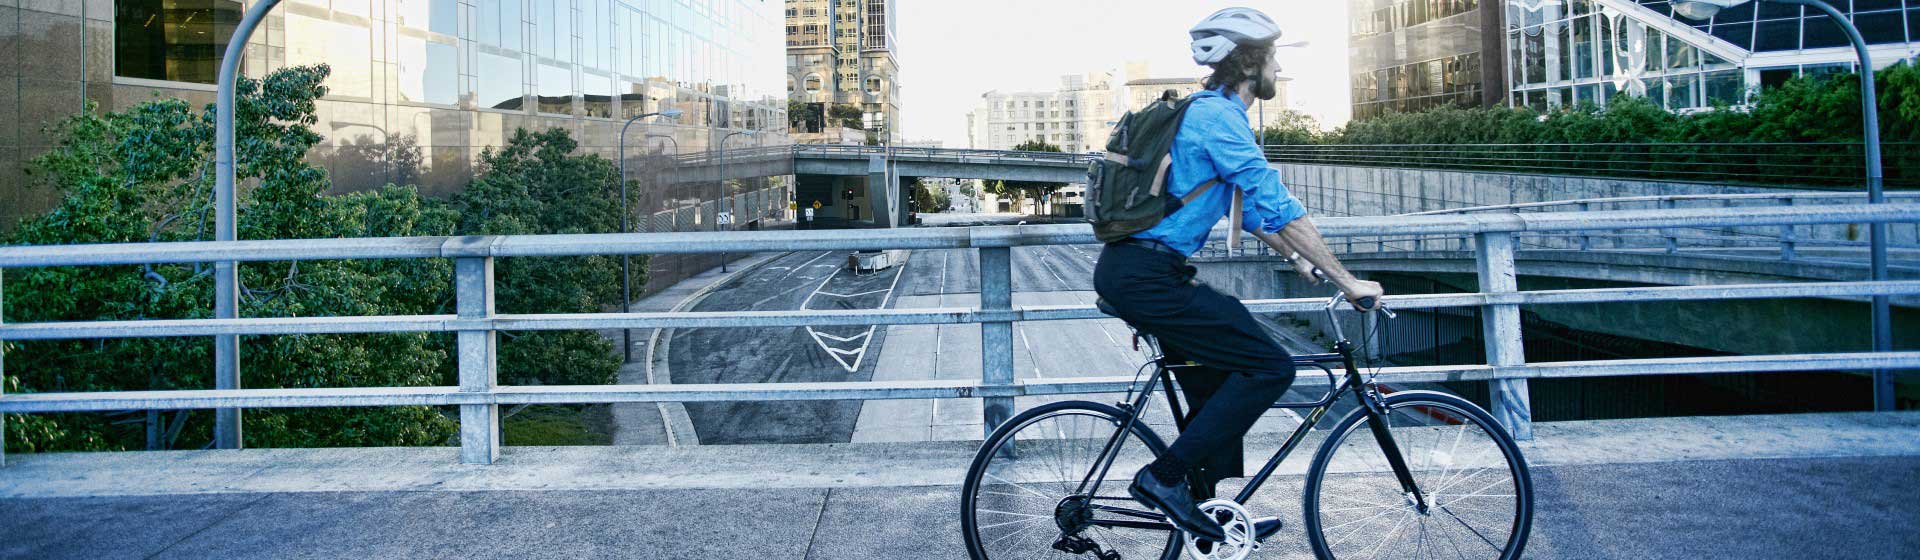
x: 1869, y: 108
x: 722, y: 188
x: 226, y: 274
x: 626, y: 215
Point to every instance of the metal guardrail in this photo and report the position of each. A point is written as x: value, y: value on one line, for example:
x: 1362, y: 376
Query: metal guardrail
x: 954, y: 155
x: 479, y: 394
x: 1817, y: 164
x: 1790, y: 243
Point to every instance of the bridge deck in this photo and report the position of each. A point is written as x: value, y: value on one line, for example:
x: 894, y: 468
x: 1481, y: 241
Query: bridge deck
x: 1814, y: 485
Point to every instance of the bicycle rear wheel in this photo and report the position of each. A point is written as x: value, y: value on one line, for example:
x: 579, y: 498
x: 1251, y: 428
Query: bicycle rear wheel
x: 1019, y: 499
x: 1479, y: 494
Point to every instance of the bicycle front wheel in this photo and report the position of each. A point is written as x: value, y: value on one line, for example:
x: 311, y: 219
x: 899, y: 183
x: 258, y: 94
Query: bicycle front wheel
x: 1478, y: 494
x: 1021, y: 498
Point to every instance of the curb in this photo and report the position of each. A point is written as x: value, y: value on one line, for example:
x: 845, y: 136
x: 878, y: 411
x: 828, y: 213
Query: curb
x: 673, y: 415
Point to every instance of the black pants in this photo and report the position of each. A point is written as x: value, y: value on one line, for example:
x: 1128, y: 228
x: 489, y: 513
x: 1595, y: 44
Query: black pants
x: 1238, y: 371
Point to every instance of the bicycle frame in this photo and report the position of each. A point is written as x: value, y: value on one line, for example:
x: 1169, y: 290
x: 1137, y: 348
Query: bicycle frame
x: 1368, y: 398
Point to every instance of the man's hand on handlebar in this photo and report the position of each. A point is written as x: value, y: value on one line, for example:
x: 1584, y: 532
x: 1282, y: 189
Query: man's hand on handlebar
x: 1363, y: 294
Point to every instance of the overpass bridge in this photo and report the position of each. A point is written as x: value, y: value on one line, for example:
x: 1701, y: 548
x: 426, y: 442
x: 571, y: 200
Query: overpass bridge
x: 1727, y: 477
x: 876, y: 175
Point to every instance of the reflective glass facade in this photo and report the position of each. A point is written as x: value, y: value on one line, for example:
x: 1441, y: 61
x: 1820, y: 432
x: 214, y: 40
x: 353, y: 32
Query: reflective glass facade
x: 454, y: 77
x: 1564, y: 52
x: 440, y: 79
x: 1411, y: 55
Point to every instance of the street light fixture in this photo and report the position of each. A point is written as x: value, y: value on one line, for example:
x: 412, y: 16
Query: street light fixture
x: 1869, y: 109
x: 626, y: 215
x: 722, y: 189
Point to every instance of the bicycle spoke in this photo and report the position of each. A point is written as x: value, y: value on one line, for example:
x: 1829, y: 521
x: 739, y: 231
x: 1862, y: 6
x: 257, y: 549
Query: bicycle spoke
x: 1463, y: 469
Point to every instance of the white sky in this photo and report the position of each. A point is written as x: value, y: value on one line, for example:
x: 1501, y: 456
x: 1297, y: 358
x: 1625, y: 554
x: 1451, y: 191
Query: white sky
x: 951, y: 52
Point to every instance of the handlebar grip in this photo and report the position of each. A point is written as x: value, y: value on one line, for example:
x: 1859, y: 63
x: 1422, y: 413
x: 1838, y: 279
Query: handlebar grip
x: 1368, y: 302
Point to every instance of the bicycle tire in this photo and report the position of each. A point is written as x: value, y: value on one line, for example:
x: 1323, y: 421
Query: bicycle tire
x: 1446, y: 410
x: 990, y: 450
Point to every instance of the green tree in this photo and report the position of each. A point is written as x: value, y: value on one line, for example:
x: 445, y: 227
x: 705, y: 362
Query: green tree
x: 848, y: 116
x: 536, y: 184
x: 1031, y: 190
x: 931, y: 198
x: 805, y: 117
x: 142, y: 175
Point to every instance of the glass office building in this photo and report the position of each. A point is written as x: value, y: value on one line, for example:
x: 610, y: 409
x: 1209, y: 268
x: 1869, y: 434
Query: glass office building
x: 1563, y: 52
x: 448, y: 77
x: 1412, y: 55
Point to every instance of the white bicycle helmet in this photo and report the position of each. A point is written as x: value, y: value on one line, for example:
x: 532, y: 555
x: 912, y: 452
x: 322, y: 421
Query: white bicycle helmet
x: 1215, y: 37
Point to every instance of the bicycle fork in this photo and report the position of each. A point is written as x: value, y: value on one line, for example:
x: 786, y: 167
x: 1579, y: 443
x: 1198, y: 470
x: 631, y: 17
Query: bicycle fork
x: 1375, y: 408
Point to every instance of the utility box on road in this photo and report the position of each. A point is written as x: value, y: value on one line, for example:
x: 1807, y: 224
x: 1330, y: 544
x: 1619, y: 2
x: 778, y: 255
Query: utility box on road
x: 875, y: 261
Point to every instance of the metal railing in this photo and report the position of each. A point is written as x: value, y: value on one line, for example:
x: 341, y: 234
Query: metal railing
x: 1788, y: 243
x: 1814, y: 164
x: 945, y: 155
x: 479, y: 394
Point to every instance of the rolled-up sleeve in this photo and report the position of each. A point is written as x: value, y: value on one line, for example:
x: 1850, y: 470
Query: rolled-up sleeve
x: 1237, y: 160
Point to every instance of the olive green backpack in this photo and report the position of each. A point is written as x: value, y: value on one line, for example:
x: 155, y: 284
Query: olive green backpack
x: 1126, y: 190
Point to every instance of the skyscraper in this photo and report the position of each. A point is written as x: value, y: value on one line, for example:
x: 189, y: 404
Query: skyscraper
x: 844, y: 53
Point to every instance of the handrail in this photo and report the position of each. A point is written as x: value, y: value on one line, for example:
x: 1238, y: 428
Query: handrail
x: 912, y: 238
x: 479, y: 394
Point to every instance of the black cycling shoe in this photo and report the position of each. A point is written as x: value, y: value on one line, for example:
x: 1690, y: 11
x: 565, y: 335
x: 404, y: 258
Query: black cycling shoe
x: 1174, y: 501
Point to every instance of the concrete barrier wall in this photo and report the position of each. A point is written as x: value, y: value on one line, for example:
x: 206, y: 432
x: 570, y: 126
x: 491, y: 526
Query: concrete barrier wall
x: 1331, y: 190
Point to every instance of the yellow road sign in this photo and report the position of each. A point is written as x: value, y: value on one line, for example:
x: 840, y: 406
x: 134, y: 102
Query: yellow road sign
x: 793, y: 206
x: 816, y: 205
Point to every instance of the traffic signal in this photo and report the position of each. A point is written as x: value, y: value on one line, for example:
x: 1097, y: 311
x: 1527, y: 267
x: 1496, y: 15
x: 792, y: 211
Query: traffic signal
x: 849, y: 193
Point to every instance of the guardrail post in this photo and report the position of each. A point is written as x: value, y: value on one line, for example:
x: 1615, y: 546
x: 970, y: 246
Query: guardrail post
x: 478, y: 352
x: 3, y: 368
x: 1500, y: 327
x: 1787, y: 240
x: 1586, y: 237
x: 1673, y: 245
x: 996, y: 338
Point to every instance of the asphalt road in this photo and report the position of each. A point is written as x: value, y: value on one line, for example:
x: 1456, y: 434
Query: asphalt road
x: 930, y: 278
x: 1852, y: 508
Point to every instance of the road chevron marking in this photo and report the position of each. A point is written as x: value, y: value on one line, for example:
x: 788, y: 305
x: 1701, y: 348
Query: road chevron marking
x: 845, y: 339
x: 855, y: 295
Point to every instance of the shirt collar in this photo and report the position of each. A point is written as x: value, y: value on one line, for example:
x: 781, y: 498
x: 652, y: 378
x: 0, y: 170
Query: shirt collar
x: 1222, y: 92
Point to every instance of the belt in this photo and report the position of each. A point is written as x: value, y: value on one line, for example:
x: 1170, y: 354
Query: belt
x: 1151, y: 245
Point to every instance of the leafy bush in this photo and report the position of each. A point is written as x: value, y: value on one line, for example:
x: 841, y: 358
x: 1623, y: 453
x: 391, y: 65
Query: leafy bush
x: 144, y: 175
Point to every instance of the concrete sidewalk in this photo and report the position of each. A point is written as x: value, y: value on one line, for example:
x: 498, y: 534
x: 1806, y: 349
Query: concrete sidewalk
x: 1811, y: 485
x: 1856, y: 508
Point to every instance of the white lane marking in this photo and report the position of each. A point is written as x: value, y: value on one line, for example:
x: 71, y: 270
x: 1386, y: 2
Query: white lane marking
x: 1035, y: 359
x: 804, y: 265
x: 851, y: 295
x: 859, y: 354
x: 1049, y: 267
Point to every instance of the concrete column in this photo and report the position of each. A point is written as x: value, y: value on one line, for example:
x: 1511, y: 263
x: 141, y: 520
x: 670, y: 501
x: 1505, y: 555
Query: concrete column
x: 478, y: 353
x: 1500, y: 329
x: 880, y: 190
x: 996, y: 339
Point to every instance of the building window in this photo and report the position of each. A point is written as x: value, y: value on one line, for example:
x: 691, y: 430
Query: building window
x: 178, y: 40
x: 813, y: 84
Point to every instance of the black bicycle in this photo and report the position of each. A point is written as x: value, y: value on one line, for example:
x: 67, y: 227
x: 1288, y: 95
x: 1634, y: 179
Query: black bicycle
x: 1410, y: 473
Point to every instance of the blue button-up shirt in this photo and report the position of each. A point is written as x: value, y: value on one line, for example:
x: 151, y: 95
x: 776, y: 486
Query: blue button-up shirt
x: 1216, y: 141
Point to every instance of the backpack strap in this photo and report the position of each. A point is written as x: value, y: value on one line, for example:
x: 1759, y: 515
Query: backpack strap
x: 1200, y: 190
x: 1233, y: 225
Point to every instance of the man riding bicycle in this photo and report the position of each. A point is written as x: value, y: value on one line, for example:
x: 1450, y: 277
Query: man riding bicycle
x: 1237, y: 371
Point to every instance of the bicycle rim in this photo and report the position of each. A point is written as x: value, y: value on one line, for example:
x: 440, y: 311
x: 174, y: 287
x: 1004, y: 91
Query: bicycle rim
x: 1476, y: 484
x: 1031, y: 467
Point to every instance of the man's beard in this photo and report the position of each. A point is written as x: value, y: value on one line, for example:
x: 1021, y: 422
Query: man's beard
x: 1266, y: 88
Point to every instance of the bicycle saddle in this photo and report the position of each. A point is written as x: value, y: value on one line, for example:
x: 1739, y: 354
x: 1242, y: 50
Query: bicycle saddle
x: 1101, y: 304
